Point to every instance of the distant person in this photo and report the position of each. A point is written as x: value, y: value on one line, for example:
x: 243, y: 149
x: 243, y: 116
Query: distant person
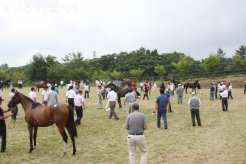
x: 195, y: 103
x: 136, y: 123
x: 70, y: 96
x: 212, y: 92
x: 3, y: 126
x: 179, y: 93
x: 112, y: 98
x: 224, y: 99
x: 87, y: 91
x: 79, y: 103
x: 161, y: 108
x: 230, y: 91
x: 52, y: 99
x: 45, y: 93
x: 244, y: 87
x: 32, y: 94
x: 129, y: 99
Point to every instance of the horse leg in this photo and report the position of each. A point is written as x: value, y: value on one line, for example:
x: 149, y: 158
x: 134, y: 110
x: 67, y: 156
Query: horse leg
x: 35, y: 135
x: 72, y: 138
x: 64, y: 137
x: 30, y: 128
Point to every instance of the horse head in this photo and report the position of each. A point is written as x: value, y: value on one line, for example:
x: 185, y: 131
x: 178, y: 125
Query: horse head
x: 109, y: 85
x: 14, y: 100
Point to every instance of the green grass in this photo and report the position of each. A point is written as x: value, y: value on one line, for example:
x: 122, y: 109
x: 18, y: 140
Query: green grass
x: 221, y: 139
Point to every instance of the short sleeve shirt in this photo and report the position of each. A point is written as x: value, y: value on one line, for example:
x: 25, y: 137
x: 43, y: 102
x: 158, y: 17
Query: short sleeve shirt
x: 135, y: 122
x: 162, y: 101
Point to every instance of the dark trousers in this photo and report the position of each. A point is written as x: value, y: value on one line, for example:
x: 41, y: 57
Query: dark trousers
x: 86, y: 94
x: 145, y: 95
x: 112, y: 105
x: 3, y: 134
x: 224, y: 102
x: 71, y: 102
x: 229, y: 95
x: 79, y: 113
x: 162, y: 113
x: 195, y: 115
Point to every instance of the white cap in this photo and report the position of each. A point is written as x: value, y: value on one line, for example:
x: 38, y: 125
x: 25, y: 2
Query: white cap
x: 193, y: 93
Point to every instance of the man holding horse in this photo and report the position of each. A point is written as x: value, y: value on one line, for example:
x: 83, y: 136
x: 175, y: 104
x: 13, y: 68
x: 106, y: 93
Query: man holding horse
x: 3, y: 126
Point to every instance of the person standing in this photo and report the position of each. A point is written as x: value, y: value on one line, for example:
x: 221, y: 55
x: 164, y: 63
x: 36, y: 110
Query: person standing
x: 244, y: 87
x: 86, y: 88
x: 79, y: 103
x: 154, y: 88
x: 45, y: 93
x: 3, y: 130
x: 32, y: 94
x: 161, y: 104
x: 179, y: 93
x: 212, y: 92
x: 129, y: 99
x: 136, y: 123
x: 230, y: 91
x: 146, y: 91
x: 52, y: 99
x: 224, y: 99
x: 112, y: 98
x: 70, y: 96
x: 195, y: 103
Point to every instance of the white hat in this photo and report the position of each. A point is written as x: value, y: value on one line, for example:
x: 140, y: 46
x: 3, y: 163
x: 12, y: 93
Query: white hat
x: 193, y: 93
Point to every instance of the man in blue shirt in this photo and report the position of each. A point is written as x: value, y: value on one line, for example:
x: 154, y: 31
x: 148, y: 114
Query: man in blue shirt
x: 161, y: 108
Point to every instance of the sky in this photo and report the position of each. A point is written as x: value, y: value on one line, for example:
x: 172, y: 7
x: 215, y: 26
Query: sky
x: 58, y: 27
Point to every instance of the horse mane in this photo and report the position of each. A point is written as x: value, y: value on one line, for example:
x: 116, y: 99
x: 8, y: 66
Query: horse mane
x: 34, y: 104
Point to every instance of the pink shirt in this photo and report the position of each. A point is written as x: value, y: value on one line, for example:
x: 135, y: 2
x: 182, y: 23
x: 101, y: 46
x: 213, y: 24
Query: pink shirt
x: 78, y: 100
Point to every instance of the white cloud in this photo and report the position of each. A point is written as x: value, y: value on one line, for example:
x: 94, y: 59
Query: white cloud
x: 195, y: 27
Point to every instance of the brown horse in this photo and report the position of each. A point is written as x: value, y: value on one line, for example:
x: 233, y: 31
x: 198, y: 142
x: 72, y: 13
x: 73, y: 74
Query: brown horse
x: 41, y: 84
x: 37, y: 115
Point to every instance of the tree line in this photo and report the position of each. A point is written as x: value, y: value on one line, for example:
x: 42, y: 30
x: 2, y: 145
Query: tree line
x: 140, y: 64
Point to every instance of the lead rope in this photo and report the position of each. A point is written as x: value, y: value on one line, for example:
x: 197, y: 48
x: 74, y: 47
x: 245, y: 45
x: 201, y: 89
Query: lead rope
x: 12, y: 121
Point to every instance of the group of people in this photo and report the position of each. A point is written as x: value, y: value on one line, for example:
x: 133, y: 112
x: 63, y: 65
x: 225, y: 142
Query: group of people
x: 136, y: 122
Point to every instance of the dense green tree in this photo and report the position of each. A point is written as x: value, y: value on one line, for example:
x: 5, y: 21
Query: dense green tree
x: 241, y: 51
x: 185, y: 66
x: 38, y: 68
x: 116, y: 75
x: 238, y: 62
x: 136, y: 73
x: 160, y: 70
x: 211, y: 63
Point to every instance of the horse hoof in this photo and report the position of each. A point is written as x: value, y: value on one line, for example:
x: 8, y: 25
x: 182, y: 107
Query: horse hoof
x: 64, y: 153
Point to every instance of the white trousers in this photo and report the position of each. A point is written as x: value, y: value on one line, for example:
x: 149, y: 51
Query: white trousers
x: 134, y: 141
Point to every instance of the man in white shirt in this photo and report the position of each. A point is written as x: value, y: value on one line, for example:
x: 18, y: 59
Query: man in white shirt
x: 45, y: 93
x: 112, y: 98
x: 32, y: 94
x: 70, y: 96
x: 79, y: 103
x: 224, y: 99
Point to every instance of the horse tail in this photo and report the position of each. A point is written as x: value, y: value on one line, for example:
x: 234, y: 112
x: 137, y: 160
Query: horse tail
x: 70, y: 125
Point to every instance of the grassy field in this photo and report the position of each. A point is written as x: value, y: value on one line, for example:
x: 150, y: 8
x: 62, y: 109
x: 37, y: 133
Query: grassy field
x: 221, y: 139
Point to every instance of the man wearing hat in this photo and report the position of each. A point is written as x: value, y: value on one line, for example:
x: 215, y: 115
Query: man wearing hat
x: 195, y: 103
x: 3, y: 126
